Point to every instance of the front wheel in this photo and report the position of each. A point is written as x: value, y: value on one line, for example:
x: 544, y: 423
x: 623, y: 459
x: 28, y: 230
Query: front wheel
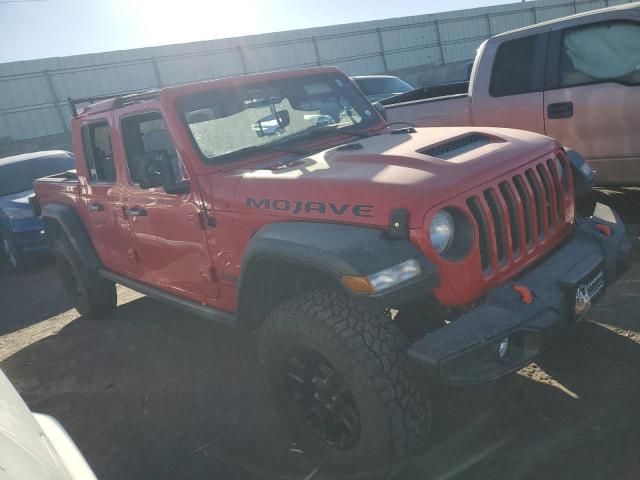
x: 340, y: 382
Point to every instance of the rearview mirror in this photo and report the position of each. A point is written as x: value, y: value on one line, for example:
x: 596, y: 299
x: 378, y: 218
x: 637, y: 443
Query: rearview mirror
x: 272, y: 124
x: 154, y: 169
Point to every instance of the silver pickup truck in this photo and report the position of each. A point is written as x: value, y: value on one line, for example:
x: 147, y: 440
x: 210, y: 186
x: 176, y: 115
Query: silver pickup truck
x: 576, y: 79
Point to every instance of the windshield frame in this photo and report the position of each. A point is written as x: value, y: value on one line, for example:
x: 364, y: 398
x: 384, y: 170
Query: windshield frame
x: 373, y: 122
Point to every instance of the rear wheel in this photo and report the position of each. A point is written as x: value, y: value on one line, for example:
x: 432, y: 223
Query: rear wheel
x: 92, y: 295
x: 340, y: 383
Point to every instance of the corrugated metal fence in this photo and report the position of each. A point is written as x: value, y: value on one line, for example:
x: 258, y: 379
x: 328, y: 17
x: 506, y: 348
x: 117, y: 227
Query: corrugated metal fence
x: 33, y: 93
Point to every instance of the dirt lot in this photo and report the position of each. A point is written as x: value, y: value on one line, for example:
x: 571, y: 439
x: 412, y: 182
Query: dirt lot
x: 153, y: 393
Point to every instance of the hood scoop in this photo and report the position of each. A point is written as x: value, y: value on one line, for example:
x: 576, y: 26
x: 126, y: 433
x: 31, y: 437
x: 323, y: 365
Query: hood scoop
x: 452, y: 148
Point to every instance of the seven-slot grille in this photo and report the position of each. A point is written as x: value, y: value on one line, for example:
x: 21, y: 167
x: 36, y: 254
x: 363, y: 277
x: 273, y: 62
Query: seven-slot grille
x: 519, y: 212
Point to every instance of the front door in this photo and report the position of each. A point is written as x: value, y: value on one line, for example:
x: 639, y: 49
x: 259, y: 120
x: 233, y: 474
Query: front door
x: 515, y: 82
x: 169, y: 235
x: 595, y: 105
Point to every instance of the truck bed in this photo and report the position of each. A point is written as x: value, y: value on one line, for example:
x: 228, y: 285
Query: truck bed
x: 450, y: 110
x: 429, y: 92
x: 62, y: 188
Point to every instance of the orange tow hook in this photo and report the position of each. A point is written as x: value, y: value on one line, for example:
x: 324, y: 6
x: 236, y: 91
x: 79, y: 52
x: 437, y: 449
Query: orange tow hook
x: 603, y: 229
x: 525, y: 293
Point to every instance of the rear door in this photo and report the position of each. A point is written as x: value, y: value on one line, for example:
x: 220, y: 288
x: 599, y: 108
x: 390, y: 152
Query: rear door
x: 103, y: 199
x: 508, y: 90
x: 592, y: 102
x: 169, y: 235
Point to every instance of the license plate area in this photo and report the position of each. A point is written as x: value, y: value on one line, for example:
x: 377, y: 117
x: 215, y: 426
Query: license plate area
x: 585, y: 291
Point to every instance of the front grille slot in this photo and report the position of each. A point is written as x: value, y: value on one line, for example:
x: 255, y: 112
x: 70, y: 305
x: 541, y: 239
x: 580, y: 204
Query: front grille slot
x: 537, y: 195
x: 505, y: 190
x: 515, y: 214
x: 483, y: 232
x: 557, y: 182
x: 498, y: 224
x: 526, y: 206
x: 549, y: 194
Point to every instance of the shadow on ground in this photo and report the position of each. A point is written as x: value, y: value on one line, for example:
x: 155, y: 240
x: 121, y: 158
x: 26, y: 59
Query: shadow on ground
x: 155, y: 393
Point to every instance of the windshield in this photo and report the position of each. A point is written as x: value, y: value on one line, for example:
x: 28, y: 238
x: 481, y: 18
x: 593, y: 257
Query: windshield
x: 226, y: 121
x: 383, y: 85
x: 18, y: 176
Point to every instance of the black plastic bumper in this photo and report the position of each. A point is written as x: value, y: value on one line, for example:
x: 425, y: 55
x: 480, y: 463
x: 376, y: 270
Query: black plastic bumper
x: 466, y: 350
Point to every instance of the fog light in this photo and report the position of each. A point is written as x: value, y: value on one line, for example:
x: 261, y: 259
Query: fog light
x: 503, y: 348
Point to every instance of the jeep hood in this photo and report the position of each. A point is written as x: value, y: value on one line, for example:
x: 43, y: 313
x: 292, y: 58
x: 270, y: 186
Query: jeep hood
x: 363, y: 181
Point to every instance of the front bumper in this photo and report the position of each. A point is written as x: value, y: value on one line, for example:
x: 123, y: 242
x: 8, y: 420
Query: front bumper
x: 466, y: 350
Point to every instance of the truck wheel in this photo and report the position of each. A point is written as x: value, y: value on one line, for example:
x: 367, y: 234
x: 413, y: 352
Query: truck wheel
x: 340, y: 383
x: 11, y: 253
x: 92, y: 295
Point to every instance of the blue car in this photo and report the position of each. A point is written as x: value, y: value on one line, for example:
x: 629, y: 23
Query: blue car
x: 21, y: 231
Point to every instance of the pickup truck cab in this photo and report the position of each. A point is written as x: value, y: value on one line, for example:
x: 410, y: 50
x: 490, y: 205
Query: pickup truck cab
x: 576, y: 79
x: 373, y: 262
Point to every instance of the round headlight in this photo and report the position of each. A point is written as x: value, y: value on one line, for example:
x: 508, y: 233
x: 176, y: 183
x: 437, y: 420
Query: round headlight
x: 443, y: 230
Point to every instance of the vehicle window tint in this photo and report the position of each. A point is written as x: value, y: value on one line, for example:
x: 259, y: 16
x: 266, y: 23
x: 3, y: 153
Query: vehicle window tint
x: 97, y: 151
x: 601, y: 52
x: 514, y: 68
x: 148, y: 133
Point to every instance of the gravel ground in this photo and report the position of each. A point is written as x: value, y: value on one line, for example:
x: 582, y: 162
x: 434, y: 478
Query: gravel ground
x: 154, y: 393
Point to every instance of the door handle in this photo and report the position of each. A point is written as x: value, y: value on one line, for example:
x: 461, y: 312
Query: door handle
x: 135, y: 212
x: 96, y: 207
x: 560, y: 110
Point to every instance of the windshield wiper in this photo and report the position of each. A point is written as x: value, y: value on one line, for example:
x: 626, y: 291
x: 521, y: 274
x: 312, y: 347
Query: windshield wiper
x: 315, y: 131
x: 268, y: 146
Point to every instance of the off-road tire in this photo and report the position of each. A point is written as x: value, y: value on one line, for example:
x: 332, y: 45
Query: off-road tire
x: 369, y: 352
x: 92, y: 295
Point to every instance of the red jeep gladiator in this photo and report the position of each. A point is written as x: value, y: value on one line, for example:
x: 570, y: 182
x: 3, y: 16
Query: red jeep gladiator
x: 374, y: 259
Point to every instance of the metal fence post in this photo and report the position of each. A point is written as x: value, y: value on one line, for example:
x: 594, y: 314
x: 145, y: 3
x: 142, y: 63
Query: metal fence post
x: 242, y: 59
x: 435, y: 22
x: 384, y: 59
x: 316, y: 50
x: 156, y: 71
x: 52, y: 92
x: 486, y: 16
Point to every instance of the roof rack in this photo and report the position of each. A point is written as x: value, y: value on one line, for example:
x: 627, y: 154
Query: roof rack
x: 121, y: 98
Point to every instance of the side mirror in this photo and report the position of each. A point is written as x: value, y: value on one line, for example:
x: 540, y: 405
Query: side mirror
x: 272, y: 124
x: 380, y: 109
x: 154, y: 169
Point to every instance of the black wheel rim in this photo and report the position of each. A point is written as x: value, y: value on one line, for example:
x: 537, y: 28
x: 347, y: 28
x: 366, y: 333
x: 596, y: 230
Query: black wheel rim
x: 320, y: 397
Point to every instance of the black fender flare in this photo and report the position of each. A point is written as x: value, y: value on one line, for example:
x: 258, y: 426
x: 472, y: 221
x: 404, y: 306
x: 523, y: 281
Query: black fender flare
x: 336, y: 250
x: 71, y: 224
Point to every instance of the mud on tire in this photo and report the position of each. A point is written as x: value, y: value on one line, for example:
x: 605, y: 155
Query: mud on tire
x: 92, y: 295
x: 365, y: 356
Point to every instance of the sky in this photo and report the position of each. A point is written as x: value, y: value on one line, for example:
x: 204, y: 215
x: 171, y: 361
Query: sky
x: 53, y: 28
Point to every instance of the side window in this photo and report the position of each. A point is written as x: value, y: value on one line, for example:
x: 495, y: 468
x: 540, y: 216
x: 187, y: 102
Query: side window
x: 515, y: 68
x: 96, y: 139
x: 146, y: 133
x: 602, y: 52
